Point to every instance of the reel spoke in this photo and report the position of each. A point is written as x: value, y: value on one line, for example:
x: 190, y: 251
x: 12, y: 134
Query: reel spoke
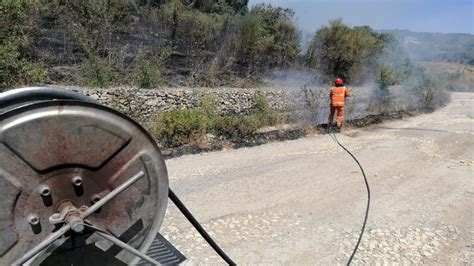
x: 66, y: 227
x: 112, y: 194
x: 121, y: 244
x: 41, y: 246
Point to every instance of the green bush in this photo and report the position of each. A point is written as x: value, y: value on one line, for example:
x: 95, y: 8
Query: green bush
x: 17, y: 67
x: 32, y: 73
x: 382, y: 98
x: 149, y: 70
x: 179, y: 127
x: 13, y: 14
x: 184, y: 126
x: 209, y: 106
x: 16, y: 71
x: 9, y: 66
x: 244, y: 126
x: 263, y: 111
x: 96, y: 72
x: 236, y: 127
x: 386, y: 77
x: 189, y: 27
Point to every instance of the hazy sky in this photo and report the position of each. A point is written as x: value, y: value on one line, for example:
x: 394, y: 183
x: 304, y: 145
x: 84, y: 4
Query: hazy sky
x: 415, y: 15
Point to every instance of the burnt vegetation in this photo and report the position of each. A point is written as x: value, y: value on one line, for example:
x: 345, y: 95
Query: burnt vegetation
x: 143, y: 43
x: 212, y: 43
x: 151, y: 43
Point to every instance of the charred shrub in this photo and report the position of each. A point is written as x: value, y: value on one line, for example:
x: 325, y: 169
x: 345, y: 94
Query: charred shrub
x: 430, y: 91
x: 307, y: 105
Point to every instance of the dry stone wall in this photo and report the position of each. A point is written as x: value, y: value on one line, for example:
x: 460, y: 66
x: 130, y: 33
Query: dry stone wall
x: 143, y: 104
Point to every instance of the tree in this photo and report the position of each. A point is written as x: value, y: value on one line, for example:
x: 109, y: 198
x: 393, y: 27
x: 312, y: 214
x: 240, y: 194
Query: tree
x: 268, y: 37
x: 219, y: 6
x: 338, y: 50
x: 283, y: 34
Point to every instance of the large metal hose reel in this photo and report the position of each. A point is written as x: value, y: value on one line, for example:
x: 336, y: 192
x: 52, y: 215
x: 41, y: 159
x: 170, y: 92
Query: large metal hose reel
x: 77, y: 181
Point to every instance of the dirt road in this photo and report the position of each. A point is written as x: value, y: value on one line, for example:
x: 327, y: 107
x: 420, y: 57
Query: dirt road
x: 303, y: 201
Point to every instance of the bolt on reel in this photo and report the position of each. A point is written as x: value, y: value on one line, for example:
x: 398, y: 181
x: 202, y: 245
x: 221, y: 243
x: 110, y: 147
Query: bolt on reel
x: 80, y: 183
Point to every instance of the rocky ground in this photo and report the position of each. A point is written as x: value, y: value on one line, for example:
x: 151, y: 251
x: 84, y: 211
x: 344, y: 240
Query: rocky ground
x: 303, y: 201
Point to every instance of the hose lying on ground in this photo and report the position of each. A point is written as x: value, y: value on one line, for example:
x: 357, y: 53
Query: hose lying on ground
x: 226, y: 258
x: 198, y: 227
x: 368, y: 197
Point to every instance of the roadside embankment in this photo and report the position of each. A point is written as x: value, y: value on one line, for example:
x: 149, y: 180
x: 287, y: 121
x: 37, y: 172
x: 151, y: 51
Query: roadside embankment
x: 195, y: 120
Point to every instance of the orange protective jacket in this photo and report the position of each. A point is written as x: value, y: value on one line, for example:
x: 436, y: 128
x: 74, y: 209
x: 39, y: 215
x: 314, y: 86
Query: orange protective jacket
x: 338, y: 95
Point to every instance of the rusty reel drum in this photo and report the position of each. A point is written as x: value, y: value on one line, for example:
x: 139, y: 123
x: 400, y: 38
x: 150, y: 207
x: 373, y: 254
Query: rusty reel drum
x: 75, y: 175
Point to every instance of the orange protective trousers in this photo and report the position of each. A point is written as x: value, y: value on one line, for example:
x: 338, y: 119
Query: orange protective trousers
x: 339, y: 116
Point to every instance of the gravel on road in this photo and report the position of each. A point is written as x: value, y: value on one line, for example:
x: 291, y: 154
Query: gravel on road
x: 302, y: 202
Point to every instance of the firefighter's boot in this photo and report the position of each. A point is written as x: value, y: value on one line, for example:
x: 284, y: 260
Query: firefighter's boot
x: 339, y: 122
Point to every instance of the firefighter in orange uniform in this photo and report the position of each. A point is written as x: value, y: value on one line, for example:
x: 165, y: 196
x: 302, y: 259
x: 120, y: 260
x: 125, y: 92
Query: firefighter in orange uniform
x: 338, y: 94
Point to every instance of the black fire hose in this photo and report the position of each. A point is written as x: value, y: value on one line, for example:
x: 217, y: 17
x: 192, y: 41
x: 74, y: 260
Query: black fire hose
x: 226, y: 258
x: 368, y: 197
x: 199, y: 228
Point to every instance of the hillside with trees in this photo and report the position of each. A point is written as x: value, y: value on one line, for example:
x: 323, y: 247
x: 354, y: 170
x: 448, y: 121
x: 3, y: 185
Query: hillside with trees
x: 142, y: 43
x: 446, y: 47
x: 212, y: 43
x: 208, y: 43
x: 172, y: 42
